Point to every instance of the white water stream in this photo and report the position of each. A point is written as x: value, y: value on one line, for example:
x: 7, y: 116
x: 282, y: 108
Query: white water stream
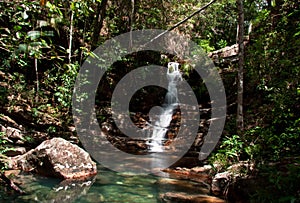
x: 161, y: 117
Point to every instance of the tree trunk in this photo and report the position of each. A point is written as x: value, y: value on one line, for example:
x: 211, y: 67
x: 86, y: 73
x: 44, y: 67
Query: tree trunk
x: 71, y: 37
x: 131, y: 22
x: 98, y: 23
x: 37, y: 80
x: 240, y: 82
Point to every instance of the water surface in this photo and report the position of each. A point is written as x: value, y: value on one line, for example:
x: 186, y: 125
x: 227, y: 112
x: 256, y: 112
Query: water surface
x: 107, y: 186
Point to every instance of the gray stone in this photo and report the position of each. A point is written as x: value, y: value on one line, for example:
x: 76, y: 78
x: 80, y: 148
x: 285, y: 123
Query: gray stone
x: 57, y: 158
x: 13, y: 133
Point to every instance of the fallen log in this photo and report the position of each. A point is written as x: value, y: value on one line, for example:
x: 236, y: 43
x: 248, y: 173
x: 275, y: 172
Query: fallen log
x: 226, y: 55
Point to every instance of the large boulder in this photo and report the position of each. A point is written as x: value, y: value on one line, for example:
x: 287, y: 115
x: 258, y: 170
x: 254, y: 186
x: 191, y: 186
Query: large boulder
x: 57, y: 158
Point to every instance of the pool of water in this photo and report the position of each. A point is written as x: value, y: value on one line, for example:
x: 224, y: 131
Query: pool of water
x: 107, y: 186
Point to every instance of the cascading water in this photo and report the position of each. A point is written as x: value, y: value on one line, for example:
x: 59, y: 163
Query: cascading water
x: 164, y: 114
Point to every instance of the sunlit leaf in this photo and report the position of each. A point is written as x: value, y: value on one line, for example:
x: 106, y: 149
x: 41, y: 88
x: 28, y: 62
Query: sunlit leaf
x: 23, y: 47
x: 34, y: 34
x: 24, y: 15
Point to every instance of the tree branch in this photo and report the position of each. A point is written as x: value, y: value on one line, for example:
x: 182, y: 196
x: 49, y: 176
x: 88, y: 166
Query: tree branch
x: 5, y: 49
x: 192, y: 15
x: 183, y: 21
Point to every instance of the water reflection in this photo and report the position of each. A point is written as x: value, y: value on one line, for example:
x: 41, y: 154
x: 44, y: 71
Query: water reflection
x: 107, y: 186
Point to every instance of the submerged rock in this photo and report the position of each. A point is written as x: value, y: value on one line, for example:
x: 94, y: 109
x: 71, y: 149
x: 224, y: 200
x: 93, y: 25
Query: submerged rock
x: 187, y: 198
x: 47, y: 190
x: 164, y: 184
x: 57, y: 158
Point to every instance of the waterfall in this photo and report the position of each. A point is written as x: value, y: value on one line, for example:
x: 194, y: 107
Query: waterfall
x: 162, y: 121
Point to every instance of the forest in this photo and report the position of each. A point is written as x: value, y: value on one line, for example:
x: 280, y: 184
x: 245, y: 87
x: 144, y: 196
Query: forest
x: 254, y: 46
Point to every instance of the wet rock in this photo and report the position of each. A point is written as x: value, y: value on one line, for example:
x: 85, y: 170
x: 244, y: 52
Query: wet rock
x: 137, y: 144
x: 171, y: 197
x: 57, y: 158
x: 182, y: 185
x: 221, y: 182
x: 197, y: 174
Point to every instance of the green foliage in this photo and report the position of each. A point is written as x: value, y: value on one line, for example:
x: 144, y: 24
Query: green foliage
x: 3, y: 150
x: 29, y: 31
x: 230, y: 151
x: 273, y: 63
x: 232, y: 147
x: 205, y: 44
x: 217, y: 25
x: 63, y: 93
x: 272, y: 136
x: 222, y: 43
x: 271, y: 144
x: 281, y: 183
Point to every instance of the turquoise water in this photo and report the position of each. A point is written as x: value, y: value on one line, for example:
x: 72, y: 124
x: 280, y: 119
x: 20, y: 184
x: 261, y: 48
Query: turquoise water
x: 107, y: 186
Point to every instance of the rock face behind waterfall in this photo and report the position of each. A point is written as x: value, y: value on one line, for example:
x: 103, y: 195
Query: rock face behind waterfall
x: 57, y: 158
